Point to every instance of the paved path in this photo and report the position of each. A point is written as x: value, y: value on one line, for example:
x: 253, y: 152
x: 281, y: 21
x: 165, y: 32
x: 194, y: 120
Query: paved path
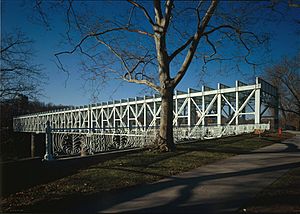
x: 221, y: 187
x: 215, y: 188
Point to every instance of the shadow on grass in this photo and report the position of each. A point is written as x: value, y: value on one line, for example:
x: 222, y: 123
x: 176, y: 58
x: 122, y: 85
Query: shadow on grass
x: 283, y: 196
x: 21, y: 175
x: 105, y: 200
x: 218, y: 146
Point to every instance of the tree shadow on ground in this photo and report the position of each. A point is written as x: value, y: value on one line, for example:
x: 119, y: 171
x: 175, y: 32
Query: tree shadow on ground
x: 101, y: 201
x: 21, y: 175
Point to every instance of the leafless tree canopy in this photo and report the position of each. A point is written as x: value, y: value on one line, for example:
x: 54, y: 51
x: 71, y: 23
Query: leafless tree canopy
x: 286, y: 76
x: 19, y: 74
x: 122, y: 43
x: 154, y: 42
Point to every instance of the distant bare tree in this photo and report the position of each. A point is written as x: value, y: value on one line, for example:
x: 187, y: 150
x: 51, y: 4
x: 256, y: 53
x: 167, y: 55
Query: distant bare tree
x: 286, y: 76
x: 18, y: 73
x: 154, y: 43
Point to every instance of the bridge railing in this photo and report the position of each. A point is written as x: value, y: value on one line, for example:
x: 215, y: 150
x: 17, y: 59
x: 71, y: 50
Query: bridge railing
x: 79, y: 141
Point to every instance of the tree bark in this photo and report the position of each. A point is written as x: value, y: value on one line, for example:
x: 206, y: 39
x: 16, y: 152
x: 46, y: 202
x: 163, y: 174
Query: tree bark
x: 165, y: 140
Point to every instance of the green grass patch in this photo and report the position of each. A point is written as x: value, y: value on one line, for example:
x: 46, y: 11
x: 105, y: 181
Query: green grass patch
x: 136, y: 169
x: 283, y: 196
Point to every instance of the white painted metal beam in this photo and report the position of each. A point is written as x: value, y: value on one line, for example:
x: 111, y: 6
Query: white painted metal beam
x: 145, y: 111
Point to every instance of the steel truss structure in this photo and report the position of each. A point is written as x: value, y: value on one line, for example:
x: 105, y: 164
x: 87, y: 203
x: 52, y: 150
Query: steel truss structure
x: 209, y: 113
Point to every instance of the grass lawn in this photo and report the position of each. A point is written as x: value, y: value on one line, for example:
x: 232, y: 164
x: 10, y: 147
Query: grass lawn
x: 283, y: 196
x: 135, y: 169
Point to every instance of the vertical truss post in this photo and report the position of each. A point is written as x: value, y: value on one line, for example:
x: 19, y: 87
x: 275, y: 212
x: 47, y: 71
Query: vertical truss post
x: 219, y: 106
x: 136, y: 113
x: 71, y: 119
x: 128, y: 114
x: 189, y: 108
x: 81, y: 124
x: 145, y: 114
x: 102, y: 118
x: 63, y: 124
x: 154, y: 111
x: 236, y: 102
x: 32, y: 145
x: 89, y: 118
x: 257, y: 103
x: 114, y: 114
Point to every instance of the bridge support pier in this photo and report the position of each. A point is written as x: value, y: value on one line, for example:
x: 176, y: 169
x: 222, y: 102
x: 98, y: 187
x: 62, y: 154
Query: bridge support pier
x: 32, y: 145
x: 49, y: 151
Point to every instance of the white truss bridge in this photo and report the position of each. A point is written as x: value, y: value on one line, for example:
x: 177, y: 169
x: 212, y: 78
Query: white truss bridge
x: 198, y: 114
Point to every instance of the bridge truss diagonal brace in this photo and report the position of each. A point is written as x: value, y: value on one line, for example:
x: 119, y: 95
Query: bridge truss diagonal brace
x: 191, y: 109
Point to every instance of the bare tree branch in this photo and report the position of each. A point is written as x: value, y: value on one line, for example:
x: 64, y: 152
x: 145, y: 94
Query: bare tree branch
x: 286, y: 76
x: 144, y: 82
x: 18, y: 75
x: 130, y: 16
x: 180, y: 49
x: 15, y: 43
x: 212, y: 46
x: 41, y: 12
x: 289, y: 110
x: 193, y: 47
x: 240, y: 34
x: 158, y: 12
x: 98, y: 34
x: 144, y: 10
x: 115, y: 53
x: 168, y: 14
x: 218, y: 28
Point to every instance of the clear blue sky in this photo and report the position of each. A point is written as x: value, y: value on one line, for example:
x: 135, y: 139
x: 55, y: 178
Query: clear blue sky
x: 16, y: 14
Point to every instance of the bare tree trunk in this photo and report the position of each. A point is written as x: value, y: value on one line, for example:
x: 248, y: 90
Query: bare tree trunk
x: 165, y: 140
